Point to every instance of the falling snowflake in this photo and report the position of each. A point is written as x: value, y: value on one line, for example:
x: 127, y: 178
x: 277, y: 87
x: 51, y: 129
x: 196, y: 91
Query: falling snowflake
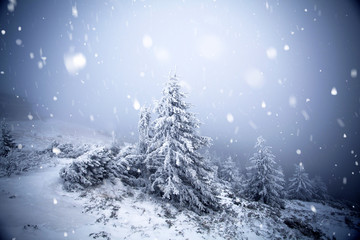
x: 252, y: 125
x: 40, y: 65
x: 11, y: 5
x: 353, y: 73
x: 334, y: 91
x: 298, y: 151
x: 147, y: 41
x: 340, y: 122
x: 136, y: 104
x: 305, y: 115
x: 263, y: 104
x: 292, y: 101
x: 313, y: 209
x: 18, y: 42
x: 74, y: 11
x: 344, y: 180
x: 74, y: 62
x: 229, y: 117
x: 271, y: 53
x: 56, y: 150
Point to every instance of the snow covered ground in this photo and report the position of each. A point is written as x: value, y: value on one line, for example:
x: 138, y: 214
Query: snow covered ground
x: 33, y: 204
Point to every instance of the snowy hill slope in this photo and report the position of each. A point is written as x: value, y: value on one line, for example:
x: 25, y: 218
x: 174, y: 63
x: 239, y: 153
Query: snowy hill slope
x: 33, y: 204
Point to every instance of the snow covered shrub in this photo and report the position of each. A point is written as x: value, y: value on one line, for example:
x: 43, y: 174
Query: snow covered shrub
x: 6, y: 140
x: 20, y: 160
x: 8, y: 164
x: 90, y: 170
x: 65, y: 150
x: 176, y: 169
x: 300, y: 187
x: 265, y: 181
x: 132, y: 161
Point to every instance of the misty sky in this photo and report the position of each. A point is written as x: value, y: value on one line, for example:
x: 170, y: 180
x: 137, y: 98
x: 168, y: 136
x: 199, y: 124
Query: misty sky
x: 286, y: 70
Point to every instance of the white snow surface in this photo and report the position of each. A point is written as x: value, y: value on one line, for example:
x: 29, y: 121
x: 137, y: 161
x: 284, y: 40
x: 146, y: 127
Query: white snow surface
x: 34, y: 205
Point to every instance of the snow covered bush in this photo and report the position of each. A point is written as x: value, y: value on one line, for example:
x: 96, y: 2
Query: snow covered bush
x: 65, y: 150
x: 8, y: 164
x: 21, y: 160
x: 92, y: 168
x: 132, y: 161
x: 300, y: 187
x: 174, y: 165
x: 265, y: 181
x: 6, y: 140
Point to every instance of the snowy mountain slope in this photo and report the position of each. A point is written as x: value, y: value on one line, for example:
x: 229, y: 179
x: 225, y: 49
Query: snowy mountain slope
x: 33, y: 204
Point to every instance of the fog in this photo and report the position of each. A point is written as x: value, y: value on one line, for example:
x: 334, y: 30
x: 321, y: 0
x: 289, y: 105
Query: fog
x: 286, y: 70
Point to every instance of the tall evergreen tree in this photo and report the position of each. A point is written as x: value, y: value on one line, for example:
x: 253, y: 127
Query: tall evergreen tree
x: 300, y: 187
x: 265, y: 181
x: 6, y: 141
x: 177, y: 170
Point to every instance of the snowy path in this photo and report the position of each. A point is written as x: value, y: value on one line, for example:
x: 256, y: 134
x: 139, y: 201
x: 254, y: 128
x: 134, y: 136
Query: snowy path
x: 29, y: 199
x: 28, y: 211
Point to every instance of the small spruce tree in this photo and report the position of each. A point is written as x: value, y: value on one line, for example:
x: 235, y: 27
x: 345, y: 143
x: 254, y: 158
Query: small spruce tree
x: 320, y: 189
x: 227, y: 170
x: 265, y: 181
x: 7, y: 141
x: 144, y: 127
x: 177, y: 170
x: 300, y: 187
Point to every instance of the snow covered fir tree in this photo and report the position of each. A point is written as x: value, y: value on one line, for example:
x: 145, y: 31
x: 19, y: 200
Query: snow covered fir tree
x: 300, y: 186
x: 144, y: 128
x: 6, y: 141
x: 227, y: 170
x: 176, y: 168
x: 265, y: 179
x: 320, y: 188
